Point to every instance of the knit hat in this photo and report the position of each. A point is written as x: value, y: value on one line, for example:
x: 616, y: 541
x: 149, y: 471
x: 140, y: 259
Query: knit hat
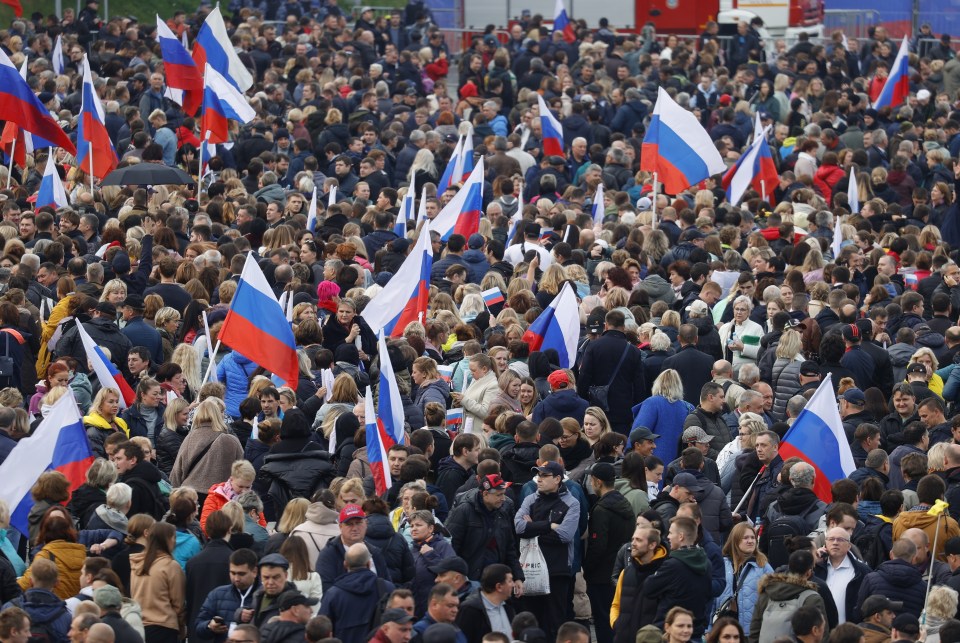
x: 327, y: 290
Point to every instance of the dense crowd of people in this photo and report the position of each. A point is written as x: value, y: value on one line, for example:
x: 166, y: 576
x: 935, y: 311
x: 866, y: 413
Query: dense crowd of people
x: 639, y: 495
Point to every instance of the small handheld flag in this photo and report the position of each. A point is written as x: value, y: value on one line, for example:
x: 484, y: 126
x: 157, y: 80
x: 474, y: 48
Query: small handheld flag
x: 492, y: 296
x: 312, y: 212
x: 551, y: 128
x: 107, y: 373
x: 598, y: 206
x: 454, y: 418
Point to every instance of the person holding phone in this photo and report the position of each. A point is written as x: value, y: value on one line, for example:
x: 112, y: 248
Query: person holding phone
x: 229, y: 605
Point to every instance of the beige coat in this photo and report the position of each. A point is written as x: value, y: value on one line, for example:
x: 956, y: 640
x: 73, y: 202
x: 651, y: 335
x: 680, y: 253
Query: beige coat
x: 477, y: 398
x: 214, y: 467
x: 161, y: 593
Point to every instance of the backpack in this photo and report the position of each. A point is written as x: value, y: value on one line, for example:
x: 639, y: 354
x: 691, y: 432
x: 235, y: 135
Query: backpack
x: 43, y: 631
x: 870, y: 544
x: 777, y: 615
x: 383, y: 596
x: 776, y: 535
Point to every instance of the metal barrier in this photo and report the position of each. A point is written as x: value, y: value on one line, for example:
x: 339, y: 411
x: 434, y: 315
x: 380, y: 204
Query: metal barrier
x: 854, y: 23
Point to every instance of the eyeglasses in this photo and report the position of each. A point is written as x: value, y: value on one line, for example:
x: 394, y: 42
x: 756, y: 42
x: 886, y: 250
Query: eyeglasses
x: 241, y: 640
x: 837, y: 539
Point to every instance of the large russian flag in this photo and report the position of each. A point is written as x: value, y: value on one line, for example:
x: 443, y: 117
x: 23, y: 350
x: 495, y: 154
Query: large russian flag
x: 221, y: 101
x: 404, y: 299
x: 95, y: 153
x: 51, y: 187
x: 897, y: 87
x: 18, y: 104
x: 551, y: 129
x: 59, y: 443
x: 213, y: 46
x: 17, y: 142
x: 817, y: 437
x: 181, y: 71
x: 677, y: 147
x: 562, y: 23
x: 754, y: 169
x: 257, y: 328
x: 557, y: 327
x: 390, y: 409
x: 379, y: 442
x: 462, y: 213
x: 106, y: 372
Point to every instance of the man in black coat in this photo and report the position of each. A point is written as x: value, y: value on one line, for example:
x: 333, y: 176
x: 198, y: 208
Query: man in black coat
x: 353, y: 530
x: 693, y: 365
x: 612, y: 361
x: 475, y: 619
x: 103, y: 329
x: 210, y: 568
x: 481, y: 519
x: 143, y: 478
x: 684, y: 577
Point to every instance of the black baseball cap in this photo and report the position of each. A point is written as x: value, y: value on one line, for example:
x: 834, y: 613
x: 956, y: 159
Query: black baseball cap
x: 452, y: 564
x: 292, y: 598
x: 603, y: 471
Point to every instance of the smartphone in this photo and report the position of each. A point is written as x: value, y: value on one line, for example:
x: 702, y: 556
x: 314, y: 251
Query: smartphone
x: 218, y: 620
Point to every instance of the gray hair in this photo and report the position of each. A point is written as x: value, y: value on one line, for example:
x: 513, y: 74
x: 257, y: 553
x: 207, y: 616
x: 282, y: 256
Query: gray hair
x: 101, y: 474
x: 749, y: 374
x: 417, y: 136
x: 749, y: 397
x: 795, y: 405
x: 744, y: 299
x: 824, y: 219
x: 119, y: 496
x: 659, y: 341
x: 802, y: 475
x: 250, y: 501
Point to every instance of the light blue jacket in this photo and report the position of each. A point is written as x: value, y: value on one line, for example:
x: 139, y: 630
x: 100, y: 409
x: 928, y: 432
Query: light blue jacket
x: 187, y: 547
x: 747, y: 594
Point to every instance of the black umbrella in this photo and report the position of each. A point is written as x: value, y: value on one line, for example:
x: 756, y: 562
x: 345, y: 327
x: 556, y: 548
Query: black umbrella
x: 148, y: 174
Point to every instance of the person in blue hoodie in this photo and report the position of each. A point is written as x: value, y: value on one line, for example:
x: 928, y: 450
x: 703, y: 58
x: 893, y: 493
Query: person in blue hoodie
x: 48, y: 613
x: 476, y: 258
x: 563, y: 401
x: 234, y: 371
x: 352, y: 600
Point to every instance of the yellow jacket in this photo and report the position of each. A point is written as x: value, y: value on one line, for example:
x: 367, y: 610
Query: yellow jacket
x: 68, y: 557
x: 661, y: 552
x: 59, y: 312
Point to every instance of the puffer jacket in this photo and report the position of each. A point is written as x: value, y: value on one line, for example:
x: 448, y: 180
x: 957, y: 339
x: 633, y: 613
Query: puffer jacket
x: 435, y: 391
x: 46, y: 609
x: 137, y: 424
x: 748, y: 580
x: 321, y: 524
x: 786, y: 384
x: 393, y: 546
x: 360, y: 464
x: 900, y: 355
x: 612, y: 523
x: 424, y: 579
x: 516, y: 460
x: 783, y: 587
x: 224, y: 601
x: 168, y: 445
x: 450, y: 477
x: 561, y: 404
x: 896, y: 578
x: 68, y: 558
x: 235, y: 371
x: 477, y: 265
x: 84, y: 502
x: 472, y: 527
x: 295, y: 475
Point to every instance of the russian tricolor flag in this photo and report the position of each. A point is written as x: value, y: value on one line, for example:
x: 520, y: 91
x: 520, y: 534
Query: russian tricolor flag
x: 51, y: 187
x: 754, y: 169
x: 213, y: 46
x: 312, y: 212
x: 20, y: 105
x: 257, y: 328
x: 56, y: 56
x: 59, y: 443
x: 454, y: 417
x: 17, y: 142
x: 390, y: 407
x: 404, y: 299
x: 379, y: 442
x: 106, y: 372
x: 453, y: 170
x: 466, y: 159
x: 557, y: 327
x: 492, y: 296
x: 598, y: 207
x: 551, y: 129
x: 181, y: 71
x: 545, y: 234
x: 221, y: 101
x: 462, y: 213
x: 562, y: 23
x: 516, y: 219
x: 95, y: 153
x: 897, y: 87
x: 677, y: 147
x: 817, y: 437
x: 406, y: 208
x: 446, y: 372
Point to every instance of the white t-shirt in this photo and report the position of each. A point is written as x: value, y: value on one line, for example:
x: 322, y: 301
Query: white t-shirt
x: 514, y: 254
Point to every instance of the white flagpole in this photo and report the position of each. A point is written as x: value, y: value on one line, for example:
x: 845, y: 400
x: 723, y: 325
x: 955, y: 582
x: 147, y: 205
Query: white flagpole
x: 13, y: 152
x: 91, y: 170
x: 210, y: 371
x: 654, y: 201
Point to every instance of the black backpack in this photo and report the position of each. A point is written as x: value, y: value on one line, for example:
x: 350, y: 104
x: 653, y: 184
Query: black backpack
x: 776, y: 535
x: 870, y: 544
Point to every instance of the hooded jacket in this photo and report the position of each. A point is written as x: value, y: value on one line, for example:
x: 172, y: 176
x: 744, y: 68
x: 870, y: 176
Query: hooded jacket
x: 896, y: 578
x: 436, y: 391
x: 46, y: 609
x: 562, y: 403
x: 277, y: 631
x: 682, y: 580
x: 516, y: 461
x: 450, y: 477
x: 631, y: 607
x: 194, y: 468
x: 68, y: 558
x: 321, y: 524
x: 797, y: 501
x: 393, y: 546
x: 748, y: 584
x: 144, y: 479
x: 612, y: 523
x: 658, y: 289
x: 782, y: 587
x: 235, y: 371
x: 717, y: 520
x: 473, y: 528
x: 98, y: 429
x: 477, y: 265
x: 351, y: 602
x: 292, y: 472
x: 920, y: 519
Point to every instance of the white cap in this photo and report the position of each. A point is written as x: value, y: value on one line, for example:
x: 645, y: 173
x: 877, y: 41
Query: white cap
x: 923, y: 94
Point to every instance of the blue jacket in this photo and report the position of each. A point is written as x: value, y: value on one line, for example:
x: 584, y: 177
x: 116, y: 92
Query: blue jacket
x: 424, y: 579
x: 896, y: 578
x: 137, y: 424
x: 563, y: 403
x: 747, y: 588
x: 140, y: 333
x: 187, y: 547
x: 421, y: 626
x: 331, y: 569
x: 45, y: 608
x: 224, y: 601
x: 477, y: 265
x: 351, y: 602
x: 234, y: 371
x: 665, y: 418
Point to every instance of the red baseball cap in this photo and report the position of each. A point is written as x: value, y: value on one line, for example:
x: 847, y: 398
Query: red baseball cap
x: 350, y: 512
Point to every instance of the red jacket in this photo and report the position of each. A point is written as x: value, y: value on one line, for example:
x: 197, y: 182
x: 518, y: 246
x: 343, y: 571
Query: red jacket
x: 826, y: 179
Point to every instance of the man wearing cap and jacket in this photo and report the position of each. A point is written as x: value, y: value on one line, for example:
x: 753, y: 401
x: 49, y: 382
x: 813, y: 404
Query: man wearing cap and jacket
x: 551, y: 515
x: 877, y: 614
x: 353, y: 530
x: 853, y: 411
x: 612, y: 523
x: 138, y: 331
x: 136, y: 281
x: 694, y: 436
x: 481, y: 531
x: 476, y: 258
x: 290, y: 626
x: 563, y: 401
x: 102, y: 328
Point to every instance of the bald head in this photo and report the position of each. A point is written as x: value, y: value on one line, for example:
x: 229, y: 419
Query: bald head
x: 100, y: 633
x: 953, y: 456
x: 356, y: 557
x: 723, y: 368
x: 917, y: 536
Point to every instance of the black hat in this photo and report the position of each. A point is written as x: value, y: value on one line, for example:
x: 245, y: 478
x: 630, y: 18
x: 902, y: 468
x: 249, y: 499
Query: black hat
x: 440, y: 633
x: 45, y: 97
x: 452, y: 564
x: 142, y: 77
x: 916, y: 367
x: 121, y: 263
x: 395, y: 615
x: 106, y: 308
x: 595, y: 322
x: 851, y: 333
x: 809, y: 368
x: 603, y: 471
x: 133, y: 301
x: 642, y: 433
x: 531, y: 230
x: 907, y: 624
x: 274, y: 560
x: 952, y: 546
x: 877, y: 603
x: 292, y: 598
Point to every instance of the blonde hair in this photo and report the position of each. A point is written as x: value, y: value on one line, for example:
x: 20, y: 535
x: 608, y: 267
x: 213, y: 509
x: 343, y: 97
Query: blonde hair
x: 210, y: 411
x: 669, y: 385
x: 243, y: 470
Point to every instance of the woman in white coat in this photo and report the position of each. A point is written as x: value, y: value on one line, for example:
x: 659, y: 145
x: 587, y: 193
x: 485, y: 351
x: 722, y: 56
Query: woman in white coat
x: 740, y: 337
x: 481, y: 392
